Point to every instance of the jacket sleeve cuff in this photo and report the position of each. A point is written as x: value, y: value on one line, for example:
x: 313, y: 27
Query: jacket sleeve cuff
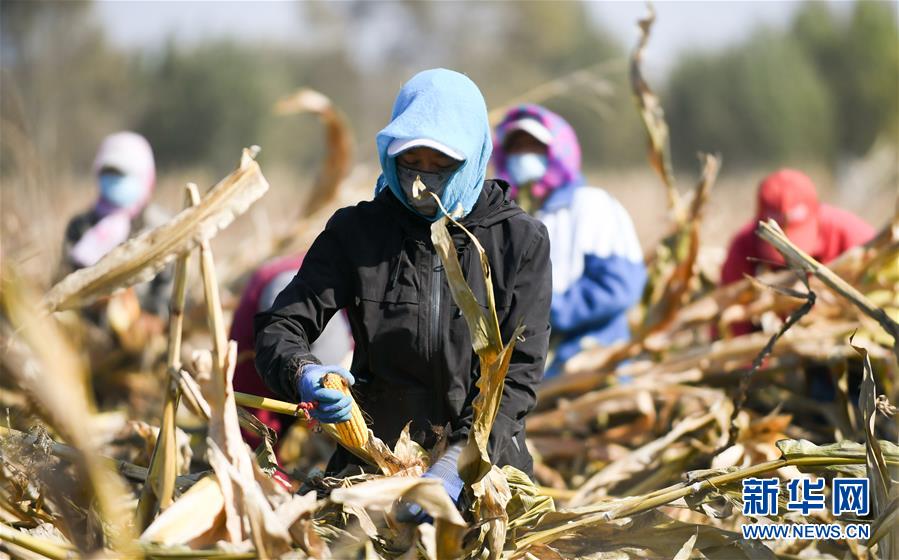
x: 294, y: 368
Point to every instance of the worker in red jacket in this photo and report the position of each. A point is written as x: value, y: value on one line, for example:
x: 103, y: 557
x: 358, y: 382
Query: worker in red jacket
x: 789, y: 198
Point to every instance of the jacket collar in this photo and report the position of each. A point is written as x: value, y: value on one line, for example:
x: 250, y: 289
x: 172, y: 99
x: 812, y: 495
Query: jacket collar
x: 492, y: 206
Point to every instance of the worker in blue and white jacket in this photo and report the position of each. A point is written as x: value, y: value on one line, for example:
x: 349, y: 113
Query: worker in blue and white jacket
x: 598, y: 271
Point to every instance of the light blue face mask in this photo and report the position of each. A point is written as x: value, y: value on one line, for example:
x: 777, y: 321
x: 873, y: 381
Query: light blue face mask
x: 121, y: 190
x: 526, y: 168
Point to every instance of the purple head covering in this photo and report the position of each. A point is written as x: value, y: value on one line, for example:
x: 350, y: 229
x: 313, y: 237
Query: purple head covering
x: 563, y: 153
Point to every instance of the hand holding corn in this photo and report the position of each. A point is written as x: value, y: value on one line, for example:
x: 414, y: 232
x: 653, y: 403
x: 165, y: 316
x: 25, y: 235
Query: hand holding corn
x: 352, y: 434
x: 334, y: 406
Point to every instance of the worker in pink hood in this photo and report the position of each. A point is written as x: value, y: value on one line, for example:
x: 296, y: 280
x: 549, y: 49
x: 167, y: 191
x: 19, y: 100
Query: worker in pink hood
x: 789, y: 197
x: 126, y: 175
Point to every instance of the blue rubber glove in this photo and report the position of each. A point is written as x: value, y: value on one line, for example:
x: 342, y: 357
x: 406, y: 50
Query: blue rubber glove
x: 445, y: 470
x: 333, y: 406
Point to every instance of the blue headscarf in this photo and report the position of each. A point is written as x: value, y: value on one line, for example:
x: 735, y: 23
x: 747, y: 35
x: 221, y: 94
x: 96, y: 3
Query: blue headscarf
x: 448, y: 107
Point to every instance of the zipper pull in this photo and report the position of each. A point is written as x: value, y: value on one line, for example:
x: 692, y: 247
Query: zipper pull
x: 395, y: 274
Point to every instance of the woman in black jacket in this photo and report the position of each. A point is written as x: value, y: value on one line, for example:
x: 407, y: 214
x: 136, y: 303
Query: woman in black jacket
x: 413, y: 358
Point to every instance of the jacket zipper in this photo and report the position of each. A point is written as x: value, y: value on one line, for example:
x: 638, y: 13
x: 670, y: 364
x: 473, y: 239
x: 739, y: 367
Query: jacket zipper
x: 436, y: 288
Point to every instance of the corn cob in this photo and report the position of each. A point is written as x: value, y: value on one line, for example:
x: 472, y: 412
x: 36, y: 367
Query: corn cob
x: 352, y: 434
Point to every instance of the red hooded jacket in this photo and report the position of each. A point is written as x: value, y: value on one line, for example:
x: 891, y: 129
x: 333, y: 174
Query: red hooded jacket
x: 790, y: 198
x: 838, y: 231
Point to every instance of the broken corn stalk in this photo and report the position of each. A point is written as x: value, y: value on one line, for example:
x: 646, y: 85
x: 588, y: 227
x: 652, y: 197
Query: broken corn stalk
x: 353, y: 433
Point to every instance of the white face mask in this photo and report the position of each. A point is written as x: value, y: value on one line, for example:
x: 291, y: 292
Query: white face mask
x: 526, y: 168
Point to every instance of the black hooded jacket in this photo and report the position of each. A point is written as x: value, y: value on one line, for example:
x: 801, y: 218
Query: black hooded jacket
x: 413, y: 359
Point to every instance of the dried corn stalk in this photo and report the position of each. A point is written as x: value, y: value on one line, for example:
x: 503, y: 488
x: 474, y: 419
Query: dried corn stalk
x: 798, y: 259
x: 383, y: 493
x: 321, y: 203
x: 338, y: 144
x: 246, y: 511
x: 488, y: 484
x: 407, y: 458
x: 54, y: 377
x: 474, y: 463
x: 883, y: 495
x: 653, y: 117
x: 141, y: 258
x: 671, y: 267
x: 157, y: 493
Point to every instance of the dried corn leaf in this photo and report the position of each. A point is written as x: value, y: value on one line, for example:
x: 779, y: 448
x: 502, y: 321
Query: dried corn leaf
x: 141, y: 258
x: 492, y: 495
x: 581, y: 534
x: 196, y: 513
x: 884, y: 526
x: 338, y: 144
x: 381, y: 494
x: 486, y: 339
x: 158, y: 492
x: 793, y: 449
x: 248, y: 514
x: 488, y: 483
x: 270, y: 532
x: 483, y: 324
x: 410, y: 453
x: 219, y: 423
x: 673, y: 268
x: 877, y: 471
x: 639, y: 460
x: 365, y: 522
x: 527, y: 503
x: 55, y: 378
x: 426, y: 537
x: 653, y: 117
x: 686, y: 551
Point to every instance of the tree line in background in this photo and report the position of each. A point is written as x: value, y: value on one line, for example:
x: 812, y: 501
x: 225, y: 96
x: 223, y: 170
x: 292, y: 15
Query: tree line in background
x: 823, y: 89
x: 820, y: 90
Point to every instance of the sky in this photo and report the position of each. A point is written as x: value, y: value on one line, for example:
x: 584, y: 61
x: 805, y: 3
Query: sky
x: 681, y: 26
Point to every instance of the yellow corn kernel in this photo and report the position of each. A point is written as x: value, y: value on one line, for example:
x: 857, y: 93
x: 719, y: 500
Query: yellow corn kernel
x: 353, y: 433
